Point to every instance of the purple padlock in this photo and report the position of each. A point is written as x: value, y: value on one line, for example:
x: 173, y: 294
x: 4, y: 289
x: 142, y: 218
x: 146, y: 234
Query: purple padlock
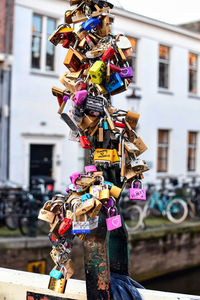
x: 89, y: 169
x: 136, y: 192
x: 126, y: 72
x: 65, y: 98
x: 80, y: 97
x: 74, y: 177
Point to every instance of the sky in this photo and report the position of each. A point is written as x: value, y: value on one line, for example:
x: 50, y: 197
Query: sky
x: 169, y: 11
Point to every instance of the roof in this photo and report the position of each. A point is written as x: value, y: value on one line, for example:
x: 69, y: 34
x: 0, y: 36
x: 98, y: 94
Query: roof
x: 157, y: 23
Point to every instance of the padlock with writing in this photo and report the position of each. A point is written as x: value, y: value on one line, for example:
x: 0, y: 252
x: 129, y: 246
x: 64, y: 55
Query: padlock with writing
x: 126, y: 72
x: 85, y: 143
x: 46, y: 215
x: 108, y: 54
x: 72, y: 61
x: 79, y: 227
x: 102, y: 156
x: 84, y: 207
x: 137, y: 192
x: 65, y: 225
x: 94, y: 105
x: 85, y: 197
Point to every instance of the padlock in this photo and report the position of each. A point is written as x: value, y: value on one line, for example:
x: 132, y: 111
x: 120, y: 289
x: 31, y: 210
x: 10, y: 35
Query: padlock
x: 80, y: 226
x: 94, y: 106
x: 85, y: 181
x: 95, y: 190
x: 104, y: 194
x: 105, y: 29
x: 85, y: 197
x: 74, y: 177
x: 89, y: 41
x: 95, y: 211
x: 84, y: 207
x: 90, y: 24
x: 115, y: 191
x: 108, y: 54
x: 138, y: 142
x: 56, y: 272
x: 131, y: 148
x: 80, y: 97
x: 132, y: 118
x: 88, y: 121
x: 113, y: 222
x: 126, y: 72
x: 57, y: 92
x: 115, y: 68
x: 115, y: 83
x: 70, y: 84
x: 64, y: 226
x: 103, y: 156
x: 58, y: 285
x: 98, y: 72
x: 72, y: 61
x: 100, y: 89
x: 136, y: 192
x: 85, y: 143
x: 105, y: 125
x: 46, y: 215
x: 74, y: 2
x: 138, y: 164
x: 93, y: 222
x: 55, y: 227
x: 90, y: 169
x: 116, y: 159
x: 56, y: 37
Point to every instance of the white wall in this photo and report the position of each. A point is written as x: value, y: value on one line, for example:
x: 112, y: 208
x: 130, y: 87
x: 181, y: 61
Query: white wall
x: 32, y: 102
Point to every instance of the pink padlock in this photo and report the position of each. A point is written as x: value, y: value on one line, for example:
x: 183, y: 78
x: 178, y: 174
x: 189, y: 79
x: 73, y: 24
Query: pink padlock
x: 80, y: 97
x: 89, y: 169
x: 74, y: 177
x: 113, y: 222
x: 136, y: 192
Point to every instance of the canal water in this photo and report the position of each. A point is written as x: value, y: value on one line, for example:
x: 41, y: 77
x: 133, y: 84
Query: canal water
x: 184, y: 282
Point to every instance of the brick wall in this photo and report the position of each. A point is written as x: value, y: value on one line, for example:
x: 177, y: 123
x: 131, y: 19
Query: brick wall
x: 4, y: 12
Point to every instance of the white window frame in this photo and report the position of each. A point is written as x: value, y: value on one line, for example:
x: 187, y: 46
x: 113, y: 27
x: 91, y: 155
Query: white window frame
x: 167, y: 62
x: 195, y: 68
x: 43, y: 36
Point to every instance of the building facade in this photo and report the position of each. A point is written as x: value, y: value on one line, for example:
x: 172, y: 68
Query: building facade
x: 165, y: 90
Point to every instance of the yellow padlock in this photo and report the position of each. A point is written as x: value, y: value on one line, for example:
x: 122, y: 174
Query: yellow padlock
x: 104, y: 194
x: 115, y: 191
x: 116, y: 159
x: 98, y: 72
x: 103, y: 156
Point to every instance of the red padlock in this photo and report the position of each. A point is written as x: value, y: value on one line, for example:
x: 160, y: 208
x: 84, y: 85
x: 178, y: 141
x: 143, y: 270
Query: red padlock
x: 64, y: 226
x: 85, y: 143
x: 108, y: 54
x: 115, y: 68
x: 119, y: 124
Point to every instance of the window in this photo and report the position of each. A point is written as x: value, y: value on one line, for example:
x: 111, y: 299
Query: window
x: 132, y: 58
x: 192, y: 147
x: 163, y: 146
x: 192, y: 73
x: 163, y: 80
x: 43, y: 52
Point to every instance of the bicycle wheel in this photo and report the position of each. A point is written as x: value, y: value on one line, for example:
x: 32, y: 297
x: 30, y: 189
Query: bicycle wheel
x: 133, y: 218
x: 10, y: 215
x: 177, y: 211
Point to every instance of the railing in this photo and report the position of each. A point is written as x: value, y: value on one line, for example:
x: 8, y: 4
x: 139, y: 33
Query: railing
x: 14, y: 285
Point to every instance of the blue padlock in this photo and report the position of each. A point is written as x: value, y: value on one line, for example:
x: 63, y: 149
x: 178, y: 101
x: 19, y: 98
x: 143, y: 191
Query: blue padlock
x: 105, y: 125
x: 85, y: 197
x: 56, y: 274
x: 90, y: 24
x: 114, y: 84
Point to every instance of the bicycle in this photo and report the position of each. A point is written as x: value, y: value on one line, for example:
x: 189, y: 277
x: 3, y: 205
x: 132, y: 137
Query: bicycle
x: 175, y: 209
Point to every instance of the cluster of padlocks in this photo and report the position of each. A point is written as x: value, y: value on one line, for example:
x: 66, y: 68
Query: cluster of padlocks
x: 97, y: 68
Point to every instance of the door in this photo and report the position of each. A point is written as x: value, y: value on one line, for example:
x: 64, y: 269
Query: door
x: 41, y: 161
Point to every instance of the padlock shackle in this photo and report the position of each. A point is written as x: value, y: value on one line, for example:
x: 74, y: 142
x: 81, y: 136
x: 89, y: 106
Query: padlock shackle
x: 135, y: 181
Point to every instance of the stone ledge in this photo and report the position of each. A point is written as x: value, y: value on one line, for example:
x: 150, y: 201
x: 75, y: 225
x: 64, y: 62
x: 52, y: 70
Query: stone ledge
x: 24, y: 242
